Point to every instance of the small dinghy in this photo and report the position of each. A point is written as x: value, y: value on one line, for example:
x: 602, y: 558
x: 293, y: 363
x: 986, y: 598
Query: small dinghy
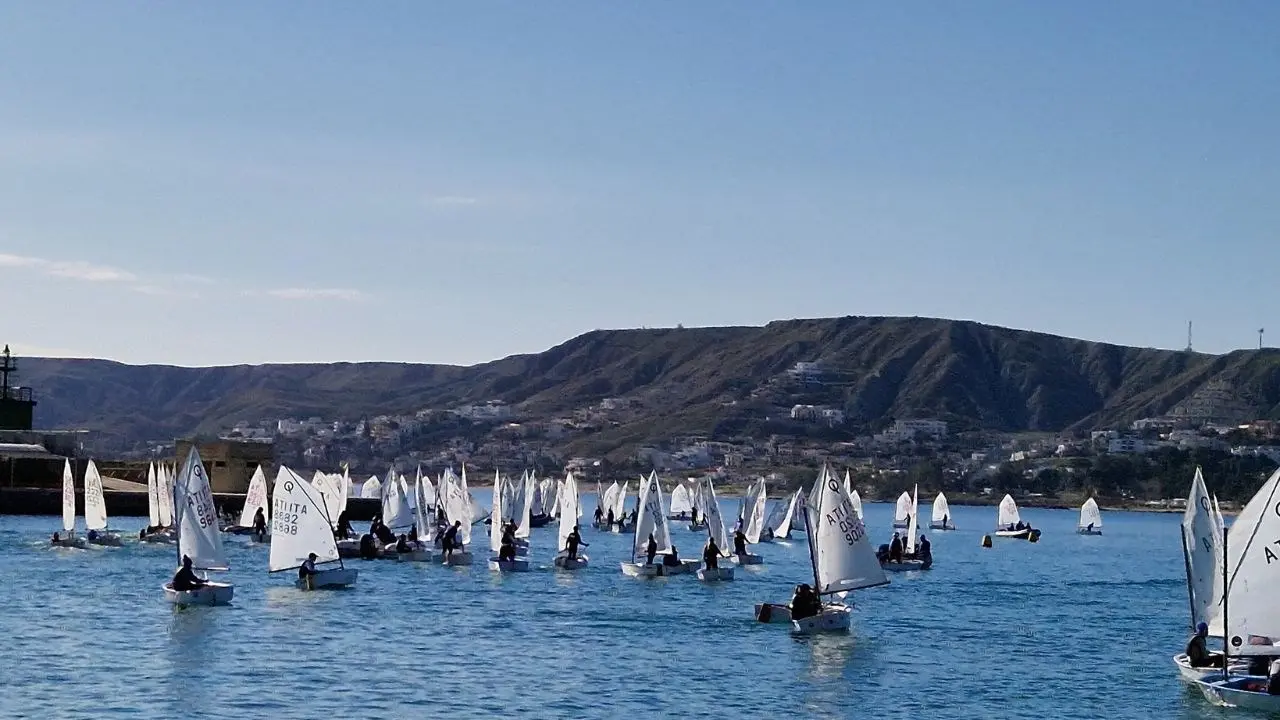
x: 1248, y: 693
x: 752, y: 519
x: 941, y: 517
x: 569, y: 510
x: 420, y: 551
x: 902, y: 511
x: 681, y: 503
x: 456, y: 500
x: 716, y: 575
x: 255, y: 499
x: 1090, y: 518
x: 521, y: 499
x: 301, y: 526
x: 198, y: 536
x: 1009, y: 523
x: 716, y: 533
x: 841, y: 556
x: 95, y: 510
x: 651, y: 520
x: 909, y: 561
x: 68, y: 538
x: 1202, y: 536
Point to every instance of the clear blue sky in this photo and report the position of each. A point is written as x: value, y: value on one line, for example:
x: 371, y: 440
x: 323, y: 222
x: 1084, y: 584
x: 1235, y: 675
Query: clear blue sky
x: 211, y: 183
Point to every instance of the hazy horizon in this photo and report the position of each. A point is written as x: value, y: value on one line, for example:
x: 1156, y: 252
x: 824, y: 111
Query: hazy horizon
x: 244, y: 183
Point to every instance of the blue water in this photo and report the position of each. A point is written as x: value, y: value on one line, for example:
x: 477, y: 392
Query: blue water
x: 1071, y: 627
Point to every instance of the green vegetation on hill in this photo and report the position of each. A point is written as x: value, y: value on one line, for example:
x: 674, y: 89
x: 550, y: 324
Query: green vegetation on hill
x: 703, y: 381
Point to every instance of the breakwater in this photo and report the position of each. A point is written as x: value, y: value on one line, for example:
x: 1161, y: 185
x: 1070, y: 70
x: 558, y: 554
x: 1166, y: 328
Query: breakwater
x: 48, y: 501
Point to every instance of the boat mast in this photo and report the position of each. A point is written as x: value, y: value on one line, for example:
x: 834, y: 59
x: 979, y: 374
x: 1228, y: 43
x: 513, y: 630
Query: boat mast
x: 1226, y: 645
x: 810, y: 536
x: 1191, y: 594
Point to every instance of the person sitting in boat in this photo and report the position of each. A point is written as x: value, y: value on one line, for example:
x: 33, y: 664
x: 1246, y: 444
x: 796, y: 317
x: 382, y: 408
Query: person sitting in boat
x: 92, y: 535
x: 56, y: 539
x: 402, y: 545
x: 1273, y: 678
x: 635, y: 513
x: 671, y: 559
x: 895, y: 549
x: 599, y: 516
x: 609, y: 518
x: 739, y: 542
x: 924, y: 551
x: 450, y: 539
x: 693, y: 516
x: 185, y: 579
x: 1198, y: 652
x: 572, y: 542
x: 804, y: 603
x: 711, y: 554
x: 308, y: 567
x: 651, y: 550
x: 343, y: 531
x: 507, y: 551
x: 384, y: 534
x: 368, y: 547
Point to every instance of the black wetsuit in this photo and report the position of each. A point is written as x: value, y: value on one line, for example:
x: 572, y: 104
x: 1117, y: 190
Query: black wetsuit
x: 185, y: 579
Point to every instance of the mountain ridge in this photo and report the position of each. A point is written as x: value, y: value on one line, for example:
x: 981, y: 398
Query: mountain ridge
x: 688, y: 381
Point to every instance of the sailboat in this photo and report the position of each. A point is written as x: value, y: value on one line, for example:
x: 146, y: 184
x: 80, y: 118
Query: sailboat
x: 255, y: 498
x: 68, y: 538
x: 422, y: 522
x: 1090, y: 518
x: 1202, y: 537
x: 1009, y: 523
x: 698, y: 518
x: 941, y: 516
x: 397, y: 514
x: 715, y: 532
x: 651, y: 520
x: 198, y: 536
x: 1248, y: 619
x: 568, y: 511
x: 300, y: 526
x: 95, y: 510
x: 681, y: 503
x: 456, y: 501
x: 786, y: 515
x: 620, y: 524
x: 517, y: 498
x: 841, y: 556
x: 853, y: 494
x: 753, y: 522
x: 902, y: 511
x: 909, y: 561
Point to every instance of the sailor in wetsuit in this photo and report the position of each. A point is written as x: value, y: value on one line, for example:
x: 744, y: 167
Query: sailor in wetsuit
x: 185, y: 579
x: 572, y: 542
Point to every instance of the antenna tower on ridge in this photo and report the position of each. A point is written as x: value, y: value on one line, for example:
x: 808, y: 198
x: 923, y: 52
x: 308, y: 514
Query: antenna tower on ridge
x: 1188, y: 336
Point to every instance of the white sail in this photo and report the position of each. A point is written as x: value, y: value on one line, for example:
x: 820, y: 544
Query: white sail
x: 1202, y: 547
x: 474, y: 510
x: 255, y: 498
x: 650, y: 520
x: 95, y: 503
x: 1253, y: 568
x: 153, y: 496
x: 498, y: 518
x: 856, y: 499
x: 422, y: 519
x: 788, y: 514
x: 300, y: 523
x: 568, y: 498
x: 1090, y: 515
x: 755, y: 513
x: 526, y: 508
x: 372, y: 488
x: 68, y: 497
x: 1008, y: 513
x: 457, y: 506
x: 199, y: 537
x: 164, y: 495
x: 912, y: 524
x: 941, y: 509
x: 681, y: 502
x: 396, y: 513
x: 715, y: 521
x: 903, y: 509
x: 843, y: 558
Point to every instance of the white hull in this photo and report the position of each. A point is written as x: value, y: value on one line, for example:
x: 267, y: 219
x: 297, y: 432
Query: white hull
x: 214, y: 593
x: 564, y: 563
x: 1193, y: 675
x: 243, y: 530
x: 416, y: 556
x: 717, y: 575
x: 833, y: 618
x: 1232, y: 693
x: 773, y: 613
x: 107, y: 539
x: 657, y: 569
x: 328, y: 579
x: 748, y: 559
x: 348, y: 549
x: 905, y: 565
x: 699, y: 527
x: 940, y: 526
x: 163, y: 537
x: 1086, y: 531
x: 459, y: 558
x: 1015, y: 534
x: 517, y: 565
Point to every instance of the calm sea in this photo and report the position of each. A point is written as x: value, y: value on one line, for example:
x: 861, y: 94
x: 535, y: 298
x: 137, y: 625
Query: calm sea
x: 1072, y: 627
